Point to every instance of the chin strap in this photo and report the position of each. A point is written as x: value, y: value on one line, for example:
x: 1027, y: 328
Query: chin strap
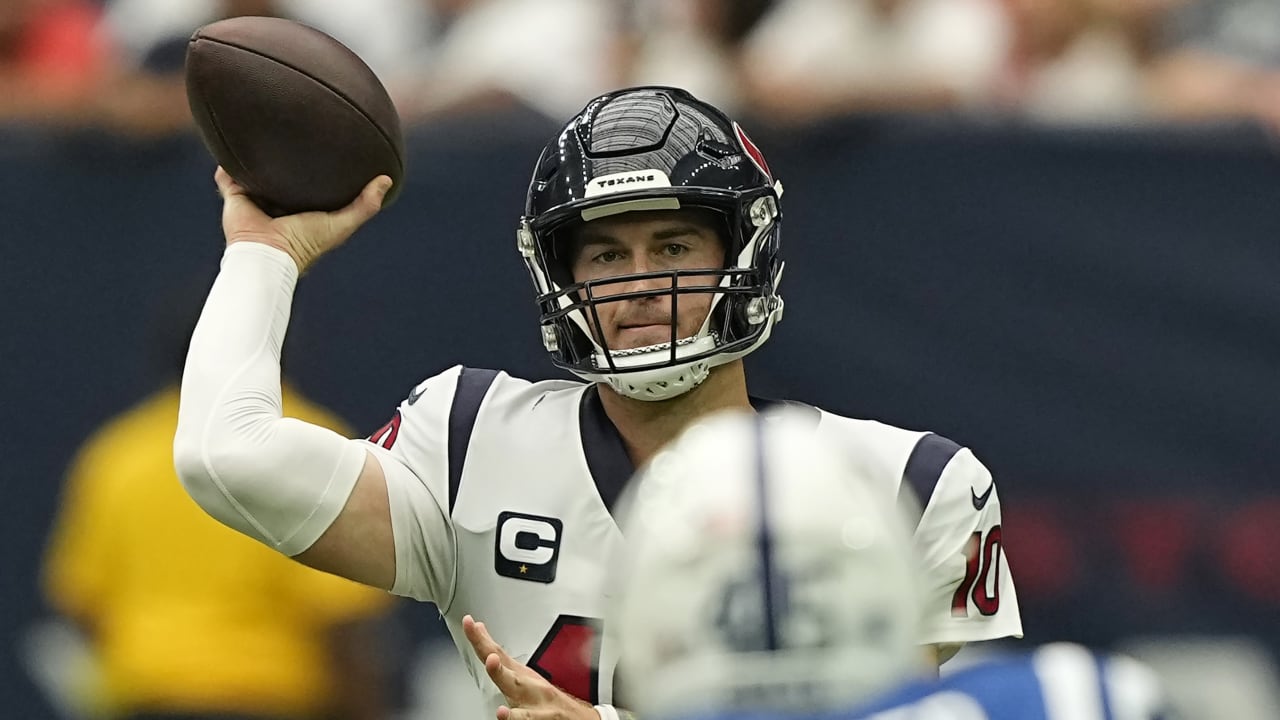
x: 659, y: 383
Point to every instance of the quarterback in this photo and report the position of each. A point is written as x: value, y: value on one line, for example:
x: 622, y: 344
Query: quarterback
x: 652, y: 234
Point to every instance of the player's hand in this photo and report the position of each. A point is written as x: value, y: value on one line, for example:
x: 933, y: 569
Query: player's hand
x: 530, y: 696
x: 305, y: 236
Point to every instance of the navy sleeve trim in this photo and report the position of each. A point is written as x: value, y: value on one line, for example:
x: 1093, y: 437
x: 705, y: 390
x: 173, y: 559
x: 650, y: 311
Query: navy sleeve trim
x: 473, y: 385
x: 924, y: 467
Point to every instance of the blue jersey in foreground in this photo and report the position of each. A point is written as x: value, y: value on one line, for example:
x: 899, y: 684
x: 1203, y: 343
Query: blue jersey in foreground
x: 1056, y: 682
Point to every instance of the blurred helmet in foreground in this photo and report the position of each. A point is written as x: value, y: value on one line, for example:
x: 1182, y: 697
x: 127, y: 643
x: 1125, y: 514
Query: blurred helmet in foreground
x: 764, y: 569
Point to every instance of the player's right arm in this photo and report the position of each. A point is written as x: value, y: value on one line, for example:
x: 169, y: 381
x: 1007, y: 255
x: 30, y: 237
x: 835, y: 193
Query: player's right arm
x: 302, y: 489
x: 359, y: 544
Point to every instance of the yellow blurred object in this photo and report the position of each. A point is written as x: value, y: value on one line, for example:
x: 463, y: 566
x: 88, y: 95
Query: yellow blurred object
x: 184, y: 613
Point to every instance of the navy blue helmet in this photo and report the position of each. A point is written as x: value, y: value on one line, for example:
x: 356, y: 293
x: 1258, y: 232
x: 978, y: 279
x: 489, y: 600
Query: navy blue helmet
x: 654, y: 148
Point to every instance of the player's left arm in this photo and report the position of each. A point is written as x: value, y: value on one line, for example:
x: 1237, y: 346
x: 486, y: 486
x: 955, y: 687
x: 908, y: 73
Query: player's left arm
x: 969, y: 590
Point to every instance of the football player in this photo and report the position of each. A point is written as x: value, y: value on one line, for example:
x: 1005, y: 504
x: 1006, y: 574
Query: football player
x: 770, y: 575
x: 652, y: 233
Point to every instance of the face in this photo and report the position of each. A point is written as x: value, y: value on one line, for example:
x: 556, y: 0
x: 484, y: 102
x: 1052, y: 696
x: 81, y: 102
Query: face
x: 641, y: 242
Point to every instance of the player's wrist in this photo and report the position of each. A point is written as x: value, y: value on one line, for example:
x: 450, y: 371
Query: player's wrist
x: 266, y: 251
x: 609, y: 712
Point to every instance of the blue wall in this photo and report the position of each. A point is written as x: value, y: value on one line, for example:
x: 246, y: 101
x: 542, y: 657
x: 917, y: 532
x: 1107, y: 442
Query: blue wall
x: 1096, y: 313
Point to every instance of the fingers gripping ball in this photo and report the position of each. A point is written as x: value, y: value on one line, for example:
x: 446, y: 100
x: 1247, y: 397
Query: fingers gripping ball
x: 293, y: 115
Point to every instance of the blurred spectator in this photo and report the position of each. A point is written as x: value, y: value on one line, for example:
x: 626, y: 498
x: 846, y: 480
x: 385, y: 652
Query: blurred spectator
x: 148, y: 97
x: 812, y: 58
x: 549, y: 55
x: 51, y: 59
x: 693, y: 44
x: 189, y: 619
x: 1225, y: 61
x: 384, y: 33
x: 1245, y: 30
x: 1084, y: 60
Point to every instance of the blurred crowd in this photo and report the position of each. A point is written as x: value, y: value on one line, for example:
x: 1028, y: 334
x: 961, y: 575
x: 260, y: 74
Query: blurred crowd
x: 118, y: 63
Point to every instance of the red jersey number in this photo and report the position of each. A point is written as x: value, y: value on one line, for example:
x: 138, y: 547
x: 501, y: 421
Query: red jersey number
x: 983, y: 561
x: 569, y: 657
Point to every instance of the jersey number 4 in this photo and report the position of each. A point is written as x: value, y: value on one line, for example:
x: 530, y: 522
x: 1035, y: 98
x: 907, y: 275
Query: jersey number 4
x: 387, y: 434
x: 981, y: 575
x: 569, y: 657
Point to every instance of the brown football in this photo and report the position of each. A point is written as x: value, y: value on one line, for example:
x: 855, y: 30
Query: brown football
x: 293, y: 115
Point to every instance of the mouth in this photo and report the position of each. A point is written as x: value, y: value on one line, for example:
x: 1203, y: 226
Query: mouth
x: 643, y: 326
x: 634, y: 335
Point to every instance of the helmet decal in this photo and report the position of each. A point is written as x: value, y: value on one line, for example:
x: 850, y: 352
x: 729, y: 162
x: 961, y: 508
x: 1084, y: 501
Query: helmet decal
x: 624, y: 181
x: 753, y: 152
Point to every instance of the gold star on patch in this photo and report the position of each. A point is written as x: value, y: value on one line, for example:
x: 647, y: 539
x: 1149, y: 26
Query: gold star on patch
x: 524, y: 569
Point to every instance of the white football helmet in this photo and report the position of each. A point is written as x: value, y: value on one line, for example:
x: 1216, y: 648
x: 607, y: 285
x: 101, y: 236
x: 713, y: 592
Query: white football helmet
x: 764, y: 569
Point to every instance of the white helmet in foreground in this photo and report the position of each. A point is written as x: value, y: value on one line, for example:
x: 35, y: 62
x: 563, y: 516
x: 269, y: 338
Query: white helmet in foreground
x: 764, y: 569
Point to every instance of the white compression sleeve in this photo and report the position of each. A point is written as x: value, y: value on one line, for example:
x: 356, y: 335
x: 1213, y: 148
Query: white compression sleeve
x: 278, y: 480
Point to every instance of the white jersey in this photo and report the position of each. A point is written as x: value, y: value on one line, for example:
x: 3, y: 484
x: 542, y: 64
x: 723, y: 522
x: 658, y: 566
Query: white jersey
x: 501, y: 493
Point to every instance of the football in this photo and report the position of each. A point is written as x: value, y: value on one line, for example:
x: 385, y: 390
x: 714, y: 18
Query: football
x: 292, y: 114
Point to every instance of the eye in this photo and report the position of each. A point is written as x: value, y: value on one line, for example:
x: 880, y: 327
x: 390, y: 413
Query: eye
x: 674, y: 250
x: 608, y: 256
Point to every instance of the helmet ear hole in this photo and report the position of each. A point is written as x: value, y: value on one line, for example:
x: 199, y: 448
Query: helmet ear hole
x: 739, y: 320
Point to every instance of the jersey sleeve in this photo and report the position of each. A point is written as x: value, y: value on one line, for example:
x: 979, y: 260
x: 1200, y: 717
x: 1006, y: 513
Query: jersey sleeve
x: 421, y: 451
x: 412, y: 448
x: 969, y: 591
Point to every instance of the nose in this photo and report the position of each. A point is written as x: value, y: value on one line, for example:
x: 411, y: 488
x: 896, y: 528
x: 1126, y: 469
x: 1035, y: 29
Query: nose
x: 639, y: 266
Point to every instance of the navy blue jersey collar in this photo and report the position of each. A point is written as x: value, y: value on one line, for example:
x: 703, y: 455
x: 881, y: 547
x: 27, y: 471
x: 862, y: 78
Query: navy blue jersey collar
x: 606, y: 454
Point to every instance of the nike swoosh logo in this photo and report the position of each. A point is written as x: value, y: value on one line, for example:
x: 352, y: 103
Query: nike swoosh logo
x: 416, y: 393
x: 980, y: 501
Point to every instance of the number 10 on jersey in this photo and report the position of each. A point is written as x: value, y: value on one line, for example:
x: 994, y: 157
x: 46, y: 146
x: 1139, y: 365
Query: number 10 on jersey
x: 981, y: 575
